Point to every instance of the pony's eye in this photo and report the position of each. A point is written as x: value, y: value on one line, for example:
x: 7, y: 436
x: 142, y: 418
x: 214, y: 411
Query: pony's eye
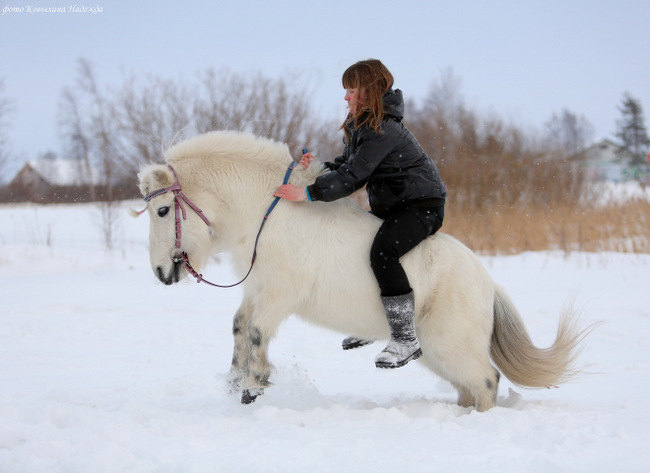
x: 162, y: 211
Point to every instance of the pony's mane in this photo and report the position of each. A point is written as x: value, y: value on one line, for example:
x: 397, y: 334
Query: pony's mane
x: 229, y: 144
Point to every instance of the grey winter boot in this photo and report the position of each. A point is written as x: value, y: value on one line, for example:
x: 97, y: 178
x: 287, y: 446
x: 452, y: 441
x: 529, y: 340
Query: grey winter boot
x: 354, y: 342
x: 403, y: 345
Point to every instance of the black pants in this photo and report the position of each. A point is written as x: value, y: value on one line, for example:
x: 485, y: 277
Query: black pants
x: 401, y: 231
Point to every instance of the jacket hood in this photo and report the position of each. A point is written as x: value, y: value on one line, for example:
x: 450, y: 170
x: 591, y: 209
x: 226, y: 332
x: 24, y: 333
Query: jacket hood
x: 394, y: 104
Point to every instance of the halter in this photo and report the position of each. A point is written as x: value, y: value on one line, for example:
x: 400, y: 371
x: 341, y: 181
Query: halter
x: 179, y: 209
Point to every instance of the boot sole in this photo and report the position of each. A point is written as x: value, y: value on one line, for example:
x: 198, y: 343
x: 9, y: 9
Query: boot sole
x: 351, y: 346
x: 416, y: 354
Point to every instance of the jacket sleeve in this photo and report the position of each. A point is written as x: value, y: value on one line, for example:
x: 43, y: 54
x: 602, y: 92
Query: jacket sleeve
x: 331, y: 165
x: 352, y: 174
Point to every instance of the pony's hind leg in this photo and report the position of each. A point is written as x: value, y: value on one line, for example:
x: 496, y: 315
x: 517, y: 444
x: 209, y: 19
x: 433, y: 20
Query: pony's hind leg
x: 465, y: 397
x: 240, y: 345
x: 486, y: 390
x: 469, y: 371
x: 481, y: 391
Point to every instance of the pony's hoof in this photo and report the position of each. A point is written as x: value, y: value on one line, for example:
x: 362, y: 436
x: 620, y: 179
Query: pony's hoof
x: 249, y: 395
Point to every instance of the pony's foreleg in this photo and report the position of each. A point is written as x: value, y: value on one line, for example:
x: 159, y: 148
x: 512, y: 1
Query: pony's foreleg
x: 261, y: 328
x: 240, y: 345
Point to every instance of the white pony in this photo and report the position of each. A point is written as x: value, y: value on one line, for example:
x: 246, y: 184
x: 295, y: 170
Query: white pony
x: 313, y: 261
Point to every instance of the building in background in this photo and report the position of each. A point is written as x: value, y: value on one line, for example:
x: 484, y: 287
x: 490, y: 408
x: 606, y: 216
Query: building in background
x: 50, y: 179
x: 608, y: 161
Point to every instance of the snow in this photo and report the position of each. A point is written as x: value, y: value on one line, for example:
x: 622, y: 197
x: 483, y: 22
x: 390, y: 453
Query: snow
x: 103, y: 369
x: 619, y: 192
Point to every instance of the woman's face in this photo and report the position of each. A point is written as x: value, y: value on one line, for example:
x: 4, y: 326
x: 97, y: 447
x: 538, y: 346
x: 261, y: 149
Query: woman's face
x: 354, y: 98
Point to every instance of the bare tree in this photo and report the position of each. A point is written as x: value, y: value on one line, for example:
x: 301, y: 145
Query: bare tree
x: 485, y: 162
x: 102, y: 125
x: 567, y: 132
x: 122, y: 128
x: 5, y: 111
x: 86, y: 119
x: 275, y: 108
x: 150, y: 115
x: 76, y: 135
x: 436, y: 121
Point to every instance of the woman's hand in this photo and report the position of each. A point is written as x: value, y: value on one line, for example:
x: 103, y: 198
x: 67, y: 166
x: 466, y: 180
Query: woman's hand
x: 291, y: 192
x: 306, y: 160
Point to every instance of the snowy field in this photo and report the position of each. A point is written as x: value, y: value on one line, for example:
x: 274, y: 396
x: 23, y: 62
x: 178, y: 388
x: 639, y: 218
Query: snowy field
x: 103, y: 369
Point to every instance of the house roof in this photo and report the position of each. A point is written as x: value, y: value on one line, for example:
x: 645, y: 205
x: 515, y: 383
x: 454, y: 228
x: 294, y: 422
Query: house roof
x: 63, y: 172
x: 604, y: 150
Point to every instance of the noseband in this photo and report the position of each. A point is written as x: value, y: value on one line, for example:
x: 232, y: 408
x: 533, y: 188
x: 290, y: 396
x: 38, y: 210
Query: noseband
x: 179, y: 210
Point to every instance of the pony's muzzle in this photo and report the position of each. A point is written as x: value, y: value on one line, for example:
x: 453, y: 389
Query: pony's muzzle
x: 173, y: 275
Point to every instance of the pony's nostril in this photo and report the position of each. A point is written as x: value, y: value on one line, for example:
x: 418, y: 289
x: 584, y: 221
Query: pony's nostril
x: 161, y: 276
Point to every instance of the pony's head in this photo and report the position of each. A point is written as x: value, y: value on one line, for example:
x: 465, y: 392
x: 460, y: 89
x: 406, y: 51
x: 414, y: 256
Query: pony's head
x: 231, y: 177
x: 175, y: 228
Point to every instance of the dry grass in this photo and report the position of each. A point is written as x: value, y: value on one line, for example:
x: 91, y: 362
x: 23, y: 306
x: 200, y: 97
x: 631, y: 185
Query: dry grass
x: 621, y: 227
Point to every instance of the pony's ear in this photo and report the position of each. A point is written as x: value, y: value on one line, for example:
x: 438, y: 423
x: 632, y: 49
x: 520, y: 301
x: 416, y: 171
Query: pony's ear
x: 154, y: 177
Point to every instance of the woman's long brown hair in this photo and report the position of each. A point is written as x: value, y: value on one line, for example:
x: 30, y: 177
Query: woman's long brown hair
x: 375, y: 79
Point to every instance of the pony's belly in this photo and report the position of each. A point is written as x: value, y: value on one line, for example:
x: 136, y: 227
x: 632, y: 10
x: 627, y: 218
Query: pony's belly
x: 366, y: 322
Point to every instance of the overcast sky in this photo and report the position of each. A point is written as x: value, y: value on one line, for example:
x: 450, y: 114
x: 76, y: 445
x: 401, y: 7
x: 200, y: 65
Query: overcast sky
x: 522, y: 60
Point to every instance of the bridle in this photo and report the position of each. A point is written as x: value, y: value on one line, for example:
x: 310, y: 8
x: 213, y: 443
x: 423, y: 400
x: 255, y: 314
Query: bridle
x: 179, y: 210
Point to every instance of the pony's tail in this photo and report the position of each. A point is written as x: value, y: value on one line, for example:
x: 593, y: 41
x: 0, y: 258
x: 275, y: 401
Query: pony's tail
x: 522, y: 362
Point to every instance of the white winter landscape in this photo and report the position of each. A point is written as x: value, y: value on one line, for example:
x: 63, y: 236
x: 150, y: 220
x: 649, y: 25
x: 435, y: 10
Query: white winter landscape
x: 104, y: 369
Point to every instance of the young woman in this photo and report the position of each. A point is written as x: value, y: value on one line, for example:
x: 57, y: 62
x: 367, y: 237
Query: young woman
x: 404, y: 189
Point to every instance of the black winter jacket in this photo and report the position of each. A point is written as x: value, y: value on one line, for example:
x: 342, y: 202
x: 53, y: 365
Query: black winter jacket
x: 392, y: 163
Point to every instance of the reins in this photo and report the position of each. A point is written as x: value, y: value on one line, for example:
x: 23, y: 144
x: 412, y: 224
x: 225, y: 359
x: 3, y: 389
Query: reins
x: 179, y: 210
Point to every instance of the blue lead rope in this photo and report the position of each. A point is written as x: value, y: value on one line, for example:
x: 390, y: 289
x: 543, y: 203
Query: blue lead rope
x: 199, y: 277
x: 287, y: 175
x: 184, y: 258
